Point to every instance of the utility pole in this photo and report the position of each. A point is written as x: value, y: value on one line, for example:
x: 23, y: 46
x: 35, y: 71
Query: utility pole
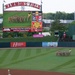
x: 74, y: 16
x: 41, y: 5
x: 3, y: 5
x: 41, y: 13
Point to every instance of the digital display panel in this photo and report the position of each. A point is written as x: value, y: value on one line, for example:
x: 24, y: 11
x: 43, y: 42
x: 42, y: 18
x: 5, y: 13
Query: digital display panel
x: 22, y: 21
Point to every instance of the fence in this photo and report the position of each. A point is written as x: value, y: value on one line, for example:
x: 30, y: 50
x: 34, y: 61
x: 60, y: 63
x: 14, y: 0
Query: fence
x: 36, y: 44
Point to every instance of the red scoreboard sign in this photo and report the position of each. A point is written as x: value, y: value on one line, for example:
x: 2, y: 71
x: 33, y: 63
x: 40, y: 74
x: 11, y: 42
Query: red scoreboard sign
x: 17, y: 44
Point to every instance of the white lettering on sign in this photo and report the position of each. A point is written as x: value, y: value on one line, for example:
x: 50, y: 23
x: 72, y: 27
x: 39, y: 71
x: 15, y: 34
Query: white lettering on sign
x: 18, y: 44
x: 23, y: 4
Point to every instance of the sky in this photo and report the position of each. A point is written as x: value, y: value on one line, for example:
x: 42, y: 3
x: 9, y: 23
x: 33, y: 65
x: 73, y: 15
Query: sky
x: 52, y: 6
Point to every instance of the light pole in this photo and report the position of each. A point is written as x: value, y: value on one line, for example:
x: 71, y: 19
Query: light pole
x: 41, y: 15
x: 74, y: 16
x: 41, y: 5
x: 3, y: 5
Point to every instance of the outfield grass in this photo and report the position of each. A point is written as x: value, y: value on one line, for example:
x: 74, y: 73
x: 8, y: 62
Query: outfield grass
x: 37, y: 59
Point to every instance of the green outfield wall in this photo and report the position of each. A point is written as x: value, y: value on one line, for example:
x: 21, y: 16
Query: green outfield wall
x: 36, y: 44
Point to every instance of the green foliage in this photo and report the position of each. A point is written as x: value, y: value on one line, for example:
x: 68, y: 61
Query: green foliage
x: 1, y: 15
x: 73, y: 23
x: 24, y: 35
x: 71, y: 29
x: 45, y: 30
x: 30, y: 39
x: 18, y: 34
x: 59, y: 15
x: 56, y: 25
x: 9, y: 36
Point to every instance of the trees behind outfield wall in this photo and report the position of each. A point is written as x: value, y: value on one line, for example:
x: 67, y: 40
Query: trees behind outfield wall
x: 68, y: 29
x: 59, y: 15
x: 17, y: 34
x: 70, y: 32
x: 57, y: 26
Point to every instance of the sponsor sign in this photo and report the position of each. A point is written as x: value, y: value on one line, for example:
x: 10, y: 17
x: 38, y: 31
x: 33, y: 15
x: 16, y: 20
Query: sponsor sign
x: 44, y: 44
x: 28, y: 21
x: 52, y: 44
x: 17, y: 44
x: 38, y: 35
x: 16, y: 29
x: 36, y: 21
x: 6, y: 29
x: 49, y: 44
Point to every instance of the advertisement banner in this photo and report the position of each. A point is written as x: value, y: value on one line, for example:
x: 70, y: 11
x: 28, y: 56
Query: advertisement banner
x: 17, y: 44
x: 36, y: 21
x: 49, y: 44
x: 38, y: 36
x: 44, y: 44
x: 36, y: 26
x: 52, y: 44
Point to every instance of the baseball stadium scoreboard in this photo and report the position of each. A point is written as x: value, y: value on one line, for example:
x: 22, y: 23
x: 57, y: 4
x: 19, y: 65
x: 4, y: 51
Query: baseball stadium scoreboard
x: 22, y: 21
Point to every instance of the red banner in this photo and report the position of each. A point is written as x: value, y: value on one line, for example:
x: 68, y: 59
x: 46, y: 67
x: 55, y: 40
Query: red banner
x: 22, y: 4
x: 17, y: 44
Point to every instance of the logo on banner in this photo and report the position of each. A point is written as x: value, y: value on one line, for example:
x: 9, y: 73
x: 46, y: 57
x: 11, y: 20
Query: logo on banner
x: 37, y: 24
x: 18, y: 44
x: 52, y: 44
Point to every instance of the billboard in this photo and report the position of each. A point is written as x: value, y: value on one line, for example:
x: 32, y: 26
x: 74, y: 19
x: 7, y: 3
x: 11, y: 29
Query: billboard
x: 17, y: 44
x: 22, y: 21
x: 36, y: 21
x: 49, y: 44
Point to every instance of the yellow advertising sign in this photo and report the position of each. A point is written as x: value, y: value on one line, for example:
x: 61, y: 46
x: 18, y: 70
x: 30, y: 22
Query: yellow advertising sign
x: 36, y: 24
